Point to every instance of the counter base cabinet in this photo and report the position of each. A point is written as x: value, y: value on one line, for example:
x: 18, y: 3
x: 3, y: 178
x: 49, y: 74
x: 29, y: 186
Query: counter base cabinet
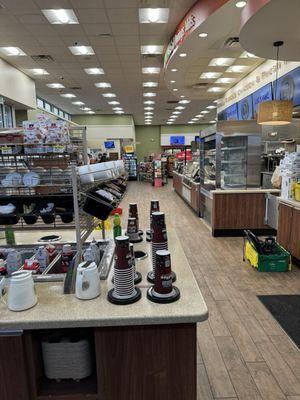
x: 189, y: 193
x: 147, y: 362
x: 288, y: 234
x: 13, y: 370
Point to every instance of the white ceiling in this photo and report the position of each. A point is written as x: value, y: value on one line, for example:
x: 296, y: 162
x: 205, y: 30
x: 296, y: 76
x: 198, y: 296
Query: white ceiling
x: 22, y: 24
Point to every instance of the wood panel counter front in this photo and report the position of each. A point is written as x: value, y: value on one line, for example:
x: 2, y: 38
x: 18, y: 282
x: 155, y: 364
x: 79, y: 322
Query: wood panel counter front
x: 142, y: 351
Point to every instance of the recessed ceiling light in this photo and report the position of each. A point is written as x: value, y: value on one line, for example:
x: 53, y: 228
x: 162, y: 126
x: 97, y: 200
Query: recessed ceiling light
x: 113, y: 103
x: 225, y: 80
x: 148, y: 123
x: 221, y: 62
x: 149, y: 102
x: 237, y: 68
x: 94, y: 71
x: 61, y: 16
x: 174, y: 70
x: 182, y: 96
x: 182, y: 55
x: 152, y: 49
x: 240, y: 4
x: 148, y: 112
x: 90, y: 112
x: 177, y: 112
x: 175, y: 90
x: 184, y: 101
x: 199, y: 116
x: 38, y: 71
x: 82, y: 50
x: 149, y: 94
x: 195, y: 119
x: 215, y: 101
x: 203, y: 34
x: 148, y: 108
x: 210, y: 75
x: 211, y: 107
x: 68, y: 95
x: 85, y: 108
x: 102, y: 85
x: 78, y: 103
x: 216, y: 89
x: 109, y: 95
x: 150, y: 84
x: 117, y: 108
x: 169, y: 122
x: 179, y: 108
x: 150, y: 70
x: 119, y: 112
x: 191, y: 122
x: 153, y: 15
x: 172, y: 81
x: 245, y: 54
x: 212, y: 122
x: 204, y: 112
x: 55, y: 85
x: 12, y: 51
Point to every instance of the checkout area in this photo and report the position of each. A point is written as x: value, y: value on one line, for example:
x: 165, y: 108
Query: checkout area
x: 228, y: 183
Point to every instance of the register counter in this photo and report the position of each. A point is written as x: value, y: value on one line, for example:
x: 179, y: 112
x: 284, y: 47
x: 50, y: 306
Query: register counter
x: 142, y: 351
x: 288, y: 233
x: 229, y: 212
x: 188, y: 190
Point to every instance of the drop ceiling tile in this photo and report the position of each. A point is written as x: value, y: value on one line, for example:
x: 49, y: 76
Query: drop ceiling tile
x: 125, y: 3
x: 43, y: 29
x: 87, y: 4
x: 135, y: 50
x: 121, y: 15
x: 96, y: 29
x: 17, y: 4
x: 71, y: 40
x: 100, y: 41
x: 52, y: 4
x: 125, y: 29
x: 92, y: 16
x: 50, y: 40
x: 100, y: 51
x: 68, y: 30
x: 32, y: 19
x: 127, y: 40
x: 109, y: 57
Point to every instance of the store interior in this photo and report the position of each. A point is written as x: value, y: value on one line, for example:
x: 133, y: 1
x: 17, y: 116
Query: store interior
x: 149, y: 200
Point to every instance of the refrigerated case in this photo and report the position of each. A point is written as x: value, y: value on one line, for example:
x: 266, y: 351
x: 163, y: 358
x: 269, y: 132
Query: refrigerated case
x: 130, y: 162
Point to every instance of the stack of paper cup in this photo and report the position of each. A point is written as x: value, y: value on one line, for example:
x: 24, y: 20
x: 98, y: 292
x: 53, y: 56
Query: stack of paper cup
x: 154, y: 207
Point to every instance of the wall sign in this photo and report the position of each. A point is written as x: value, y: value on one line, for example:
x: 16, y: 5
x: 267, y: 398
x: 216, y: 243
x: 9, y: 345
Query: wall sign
x: 245, y: 108
x: 288, y: 87
x: 261, y: 95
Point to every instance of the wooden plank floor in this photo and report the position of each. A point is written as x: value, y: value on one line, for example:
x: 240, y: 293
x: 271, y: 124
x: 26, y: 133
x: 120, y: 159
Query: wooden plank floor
x: 242, y: 351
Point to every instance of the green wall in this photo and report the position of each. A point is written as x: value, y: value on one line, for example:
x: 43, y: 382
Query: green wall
x: 147, y: 140
x: 84, y: 119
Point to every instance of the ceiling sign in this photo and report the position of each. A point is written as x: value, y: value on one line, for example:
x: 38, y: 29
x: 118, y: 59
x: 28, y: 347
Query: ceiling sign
x: 192, y: 20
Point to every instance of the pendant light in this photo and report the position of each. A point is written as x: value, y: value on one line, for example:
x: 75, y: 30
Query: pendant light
x: 275, y: 112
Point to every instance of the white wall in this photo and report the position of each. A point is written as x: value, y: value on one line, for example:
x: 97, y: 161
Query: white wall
x: 16, y: 86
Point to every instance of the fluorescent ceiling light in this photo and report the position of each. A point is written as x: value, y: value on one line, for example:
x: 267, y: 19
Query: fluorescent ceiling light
x: 102, y: 85
x: 85, y: 108
x: 117, y: 108
x: 150, y: 70
x: 169, y: 122
x: 211, y: 107
x: 150, y: 84
x: 212, y: 122
x: 148, y: 113
x: 182, y: 55
x: 109, y: 95
x: 12, y: 51
x: 204, y: 112
x: 215, y: 101
x: 221, y: 62
x: 175, y: 90
x: 237, y: 68
x: 182, y: 96
x: 55, y: 85
x: 240, y: 4
x: 191, y: 122
x: 199, y: 116
x: 195, y: 119
x: 94, y: 71
x: 78, y: 103
x: 38, y: 71
x: 90, y: 112
x: 149, y: 102
x: 179, y: 108
x: 174, y: 70
x: 61, y: 16
x: 210, y: 75
x: 152, y: 49
x: 82, y: 50
x: 119, y: 112
x: 203, y: 35
x: 153, y: 15
x: 148, y: 123
x: 68, y: 95
x: 172, y: 81
x: 149, y: 94
x: 245, y: 54
x: 148, y: 108
x: 225, y: 80
x: 177, y: 112
x: 216, y: 89
x: 113, y: 103
x: 184, y: 101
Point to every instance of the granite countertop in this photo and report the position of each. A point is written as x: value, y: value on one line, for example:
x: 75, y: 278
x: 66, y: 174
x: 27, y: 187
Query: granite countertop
x: 56, y: 310
x: 292, y: 203
x: 244, y: 191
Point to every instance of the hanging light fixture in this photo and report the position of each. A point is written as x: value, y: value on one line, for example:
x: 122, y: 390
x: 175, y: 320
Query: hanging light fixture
x: 275, y: 112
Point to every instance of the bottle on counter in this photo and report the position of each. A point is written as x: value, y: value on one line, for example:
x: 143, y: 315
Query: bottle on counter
x: 117, y: 226
x: 42, y: 256
x: 66, y: 257
x: 13, y: 261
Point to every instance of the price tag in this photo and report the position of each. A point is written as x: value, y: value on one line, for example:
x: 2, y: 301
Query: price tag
x: 6, y: 150
x: 58, y: 149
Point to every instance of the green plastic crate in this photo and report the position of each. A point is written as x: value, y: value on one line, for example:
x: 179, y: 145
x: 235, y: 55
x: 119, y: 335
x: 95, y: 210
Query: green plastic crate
x: 280, y: 262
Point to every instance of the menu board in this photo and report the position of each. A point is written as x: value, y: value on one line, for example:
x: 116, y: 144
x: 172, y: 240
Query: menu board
x: 261, y: 95
x: 288, y: 87
x: 245, y: 108
x: 177, y: 140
